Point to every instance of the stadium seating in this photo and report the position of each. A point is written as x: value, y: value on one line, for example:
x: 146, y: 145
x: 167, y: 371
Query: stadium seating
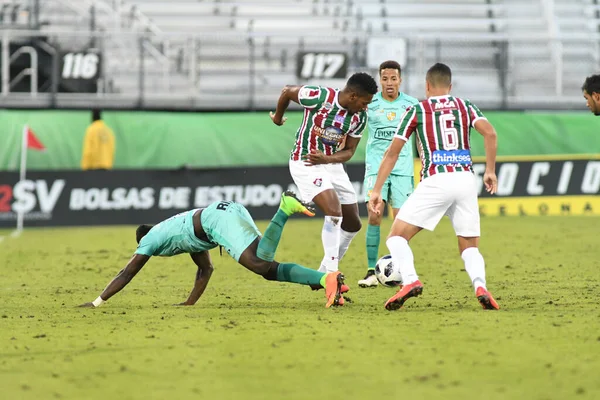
x: 496, y: 47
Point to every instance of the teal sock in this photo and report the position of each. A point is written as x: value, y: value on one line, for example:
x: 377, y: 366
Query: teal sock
x: 290, y: 272
x: 373, y: 237
x: 270, y: 240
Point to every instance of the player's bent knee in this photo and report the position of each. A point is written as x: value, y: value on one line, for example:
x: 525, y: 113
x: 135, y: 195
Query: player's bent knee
x: 332, y: 211
x: 374, y: 219
x: 270, y: 273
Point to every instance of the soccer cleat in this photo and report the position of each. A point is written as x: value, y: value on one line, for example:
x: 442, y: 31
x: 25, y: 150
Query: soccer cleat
x: 370, y: 280
x: 486, y: 300
x: 343, y: 289
x: 333, y: 286
x: 291, y: 204
x: 411, y: 290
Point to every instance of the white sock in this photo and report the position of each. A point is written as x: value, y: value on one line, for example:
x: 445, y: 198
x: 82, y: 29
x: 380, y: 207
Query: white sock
x: 331, y: 236
x: 402, y: 256
x: 475, y: 266
x: 345, y: 240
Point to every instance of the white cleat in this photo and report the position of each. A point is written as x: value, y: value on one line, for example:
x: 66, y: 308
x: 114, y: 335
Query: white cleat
x: 369, y: 281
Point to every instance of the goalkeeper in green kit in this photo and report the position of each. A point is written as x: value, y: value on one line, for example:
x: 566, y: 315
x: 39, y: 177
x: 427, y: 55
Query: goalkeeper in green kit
x: 384, y: 113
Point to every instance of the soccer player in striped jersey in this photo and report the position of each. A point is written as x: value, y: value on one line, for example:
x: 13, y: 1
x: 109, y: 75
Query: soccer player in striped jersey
x: 591, y: 92
x: 448, y: 186
x: 331, y: 117
x: 384, y: 113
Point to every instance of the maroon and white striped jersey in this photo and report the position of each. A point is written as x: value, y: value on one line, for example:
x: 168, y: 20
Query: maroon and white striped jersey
x: 325, y: 123
x: 443, y: 127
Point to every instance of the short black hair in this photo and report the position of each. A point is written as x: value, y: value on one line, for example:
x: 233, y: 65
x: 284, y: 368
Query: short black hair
x: 362, y: 83
x: 390, y: 64
x: 591, y: 84
x: 96, y: 114
x: 439, y: 75
x: 142, y: 231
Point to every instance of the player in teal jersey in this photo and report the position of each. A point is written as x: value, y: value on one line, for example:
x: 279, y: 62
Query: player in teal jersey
x: 331, y: 128
x: 229, y: 225
x: 591, y: 93
x: 384, y: 113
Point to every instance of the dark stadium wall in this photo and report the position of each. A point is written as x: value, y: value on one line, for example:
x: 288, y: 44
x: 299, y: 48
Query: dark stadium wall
x: 168, y: 140
x: 135, y: 196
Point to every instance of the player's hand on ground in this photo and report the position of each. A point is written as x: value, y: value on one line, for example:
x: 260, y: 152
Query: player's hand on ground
x: 277, y: 121
x: 375, y: 202
x: 182, y: 304
x: 87, y: 305
x: 491, y: 182
x: 315, y: 158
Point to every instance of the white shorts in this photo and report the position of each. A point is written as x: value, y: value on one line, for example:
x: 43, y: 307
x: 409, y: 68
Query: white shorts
x: 450, y: 193
x: 314, y: 179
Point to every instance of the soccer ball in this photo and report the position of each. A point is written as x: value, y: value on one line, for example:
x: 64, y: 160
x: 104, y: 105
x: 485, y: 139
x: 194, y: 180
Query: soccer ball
x: 387, y: 274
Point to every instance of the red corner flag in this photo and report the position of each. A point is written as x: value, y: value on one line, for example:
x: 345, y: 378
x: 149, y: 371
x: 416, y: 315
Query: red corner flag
x: 33, y: 142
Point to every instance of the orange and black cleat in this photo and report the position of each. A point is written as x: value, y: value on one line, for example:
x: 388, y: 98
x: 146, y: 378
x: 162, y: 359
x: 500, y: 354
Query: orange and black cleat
x: 406, y: 292
x: 344, y: 289
x: 333, y: 289
x: 486, y: 300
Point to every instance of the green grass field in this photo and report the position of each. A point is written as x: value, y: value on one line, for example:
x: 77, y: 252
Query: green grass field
x: 248, y: 338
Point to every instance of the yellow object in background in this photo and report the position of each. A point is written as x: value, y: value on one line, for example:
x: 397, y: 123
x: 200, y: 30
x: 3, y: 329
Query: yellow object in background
x: 98, y: 146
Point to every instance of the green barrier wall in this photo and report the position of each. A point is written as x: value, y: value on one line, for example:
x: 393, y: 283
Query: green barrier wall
x: 171, y: 140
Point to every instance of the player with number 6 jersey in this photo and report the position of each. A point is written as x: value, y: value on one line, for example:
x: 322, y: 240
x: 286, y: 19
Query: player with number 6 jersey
x: 442, y: 125
x: 331, y: 128
x: 448, y: 186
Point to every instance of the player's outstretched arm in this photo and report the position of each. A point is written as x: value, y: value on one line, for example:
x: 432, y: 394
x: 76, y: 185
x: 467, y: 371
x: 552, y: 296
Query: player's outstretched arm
x: 385, y: 168
x: 205, y: 270
x: 288, y: 93
x: 134, y: 266
x: 490, y: 144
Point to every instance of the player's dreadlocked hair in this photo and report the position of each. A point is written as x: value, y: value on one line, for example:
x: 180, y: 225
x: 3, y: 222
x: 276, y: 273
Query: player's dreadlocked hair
x: 390, y: 65
x: 440, y: 75
x: 362, y: 83
x: 591, y: 84
x: 141, y: 231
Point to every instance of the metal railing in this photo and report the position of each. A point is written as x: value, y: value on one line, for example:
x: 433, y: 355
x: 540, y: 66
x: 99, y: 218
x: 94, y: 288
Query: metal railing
x: 246, y: 71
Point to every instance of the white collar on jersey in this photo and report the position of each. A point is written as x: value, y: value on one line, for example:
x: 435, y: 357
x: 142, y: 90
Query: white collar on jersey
x: 439, y: 97
x: 336, y: 99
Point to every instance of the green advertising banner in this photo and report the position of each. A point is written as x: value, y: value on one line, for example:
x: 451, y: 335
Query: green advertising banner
x: 166, y: 140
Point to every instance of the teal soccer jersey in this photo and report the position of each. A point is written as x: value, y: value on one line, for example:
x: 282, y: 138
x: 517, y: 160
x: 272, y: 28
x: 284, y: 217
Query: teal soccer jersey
x: 225, y: 223
x: 383, y: 119
x: 173, y: 236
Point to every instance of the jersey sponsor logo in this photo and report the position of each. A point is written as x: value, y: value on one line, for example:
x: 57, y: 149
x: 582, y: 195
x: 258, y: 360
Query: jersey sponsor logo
x: 339, y: 118
x: 331, y: 136
x: 385, y: 133
x: 450, y: 157
x: 391, y: 115
x: 446, y: 105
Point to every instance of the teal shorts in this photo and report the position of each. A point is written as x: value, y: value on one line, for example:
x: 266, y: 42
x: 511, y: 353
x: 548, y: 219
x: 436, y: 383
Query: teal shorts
x: 229, y: 225
x: 395, y: 191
